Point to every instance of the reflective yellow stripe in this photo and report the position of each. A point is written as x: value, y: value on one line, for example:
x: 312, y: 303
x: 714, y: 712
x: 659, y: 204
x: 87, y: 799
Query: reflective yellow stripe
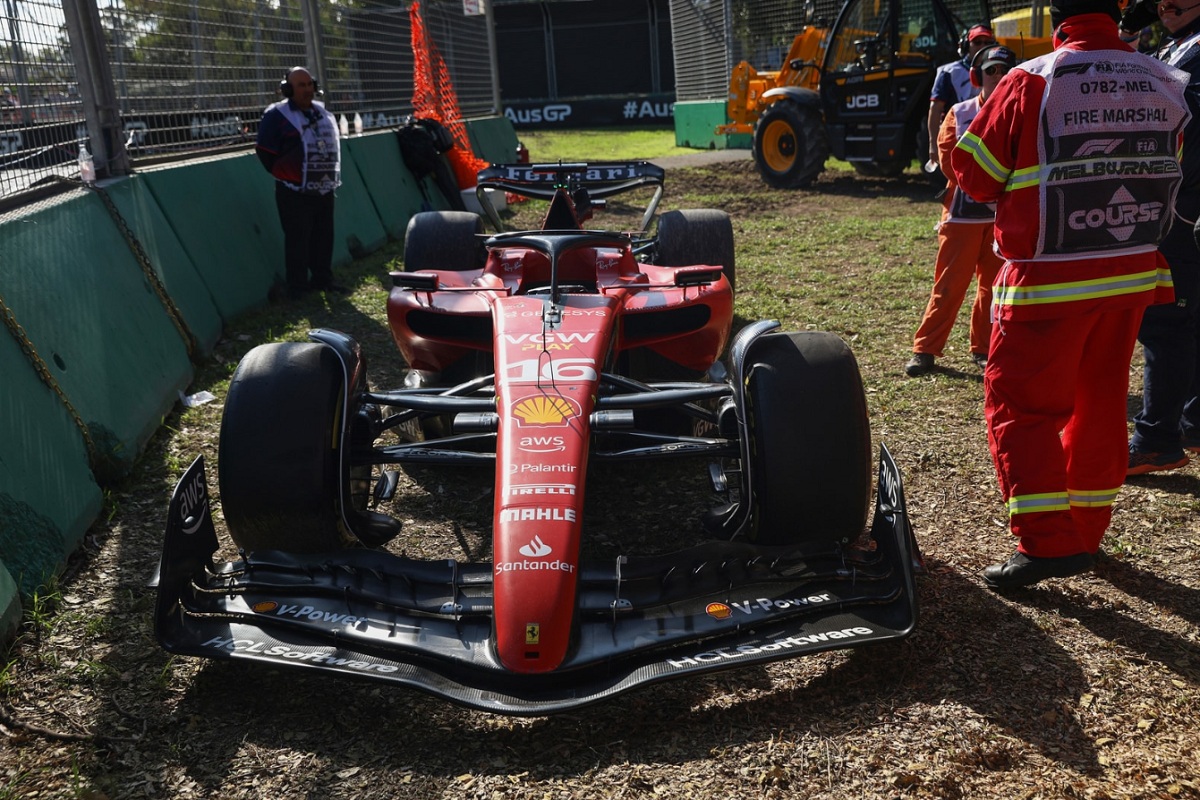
x: 1111, y: 286
x: 1092, y: 498
x: 1165, y: 280
x: 1031, y: 503
x: 983, y: 157
x: 1023, y: 179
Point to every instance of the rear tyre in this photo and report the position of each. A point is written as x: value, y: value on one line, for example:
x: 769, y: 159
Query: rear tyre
x: 446, y: 240
x: 697, y: 236
x: 279, y: 464
x: 810, y: 440
x: 790, y: 146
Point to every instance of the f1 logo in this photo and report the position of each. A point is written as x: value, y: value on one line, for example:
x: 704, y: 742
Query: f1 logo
x: 1096, y: 147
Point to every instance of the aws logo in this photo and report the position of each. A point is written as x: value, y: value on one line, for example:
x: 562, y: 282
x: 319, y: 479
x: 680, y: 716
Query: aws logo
x: 542, y: 444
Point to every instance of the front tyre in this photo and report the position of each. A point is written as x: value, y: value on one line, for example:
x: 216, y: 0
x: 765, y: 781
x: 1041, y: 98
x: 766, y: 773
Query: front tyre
x: 809, y: 465
x: 790, y: 145
x: 279, y: 462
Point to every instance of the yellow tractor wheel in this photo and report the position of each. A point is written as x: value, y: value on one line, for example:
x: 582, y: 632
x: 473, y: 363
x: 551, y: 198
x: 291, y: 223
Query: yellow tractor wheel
x: 790, y: 145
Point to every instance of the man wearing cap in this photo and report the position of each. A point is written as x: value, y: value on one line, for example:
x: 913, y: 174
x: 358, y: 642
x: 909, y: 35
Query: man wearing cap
x: 298, y: 144
x: 952, y: 82
x: 1078, y: 149
x: 1168, y: 426
x: 964, y: 236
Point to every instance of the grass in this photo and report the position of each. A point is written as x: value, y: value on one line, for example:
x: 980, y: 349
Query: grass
x: 614, y: 144
x: 1088, y: 687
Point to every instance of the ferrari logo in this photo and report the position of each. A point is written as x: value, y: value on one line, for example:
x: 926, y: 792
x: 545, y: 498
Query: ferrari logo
x: 533, y: 633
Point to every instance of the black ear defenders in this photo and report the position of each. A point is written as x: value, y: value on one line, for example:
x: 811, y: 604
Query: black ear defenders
x: 964, y: 41
x: 285, y: 86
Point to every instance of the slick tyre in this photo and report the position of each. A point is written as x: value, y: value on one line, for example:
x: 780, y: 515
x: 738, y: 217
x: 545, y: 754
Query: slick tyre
x: 697, y: 236
x: 446, y: 240
x: 279, y: 465
x: 810, y: 440
x: 790, y: 145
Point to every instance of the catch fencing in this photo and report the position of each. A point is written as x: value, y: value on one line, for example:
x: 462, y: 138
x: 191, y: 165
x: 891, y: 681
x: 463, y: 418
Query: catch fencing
x: 712, y: 36
x: 139, y: 81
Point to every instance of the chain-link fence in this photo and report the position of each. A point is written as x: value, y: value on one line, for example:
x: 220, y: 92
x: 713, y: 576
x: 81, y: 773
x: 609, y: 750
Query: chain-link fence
x: 135, y: 80
x: 711, y: 36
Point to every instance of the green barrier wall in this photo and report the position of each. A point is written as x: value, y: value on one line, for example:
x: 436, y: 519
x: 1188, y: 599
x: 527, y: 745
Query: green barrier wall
x: 172, y: 264
x: 92, y: 314
x: 392, y: 188
x: 358, y: 230
x: 223, y: 212
x: 48, y: 496
x: 696, y: 121
x: 493, y: 139
x: 211, y: 234
x: 10, y: 606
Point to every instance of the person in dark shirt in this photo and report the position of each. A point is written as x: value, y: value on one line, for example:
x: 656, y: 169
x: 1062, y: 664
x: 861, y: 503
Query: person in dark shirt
x: 952, y: 82
x: 1168, y: 426
x: 298, y: 144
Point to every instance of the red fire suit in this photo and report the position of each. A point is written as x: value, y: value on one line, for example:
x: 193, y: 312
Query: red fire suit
x: 1079, y: 149
x: 964, y: 250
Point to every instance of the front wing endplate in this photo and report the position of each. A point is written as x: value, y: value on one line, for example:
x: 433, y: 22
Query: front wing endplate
x: 427, y: 625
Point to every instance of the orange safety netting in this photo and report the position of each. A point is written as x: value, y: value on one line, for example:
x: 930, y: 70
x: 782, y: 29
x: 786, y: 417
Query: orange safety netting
x: 433, y: 97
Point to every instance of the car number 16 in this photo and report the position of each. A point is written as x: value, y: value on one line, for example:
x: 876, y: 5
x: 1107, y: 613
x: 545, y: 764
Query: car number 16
x: 533, y: 370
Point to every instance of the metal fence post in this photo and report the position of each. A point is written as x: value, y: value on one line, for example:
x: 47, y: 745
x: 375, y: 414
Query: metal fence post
x: 96, y: 88
x: 310, y: 12
x: 493, y: 60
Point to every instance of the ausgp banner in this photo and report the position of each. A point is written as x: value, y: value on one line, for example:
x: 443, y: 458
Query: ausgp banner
x: 643, y: 110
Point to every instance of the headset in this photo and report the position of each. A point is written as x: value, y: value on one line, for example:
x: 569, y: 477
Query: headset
x: 964, y: 41
x: 285, y: 86
x: 996, y: 50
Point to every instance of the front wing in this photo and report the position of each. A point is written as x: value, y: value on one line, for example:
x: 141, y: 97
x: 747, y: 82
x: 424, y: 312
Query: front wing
x: 427, y: 624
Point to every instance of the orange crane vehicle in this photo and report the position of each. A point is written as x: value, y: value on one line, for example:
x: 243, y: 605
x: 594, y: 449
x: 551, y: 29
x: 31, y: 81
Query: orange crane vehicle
x: 859, y: 90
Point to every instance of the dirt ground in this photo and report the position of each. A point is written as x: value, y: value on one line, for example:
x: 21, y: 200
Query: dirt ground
x: 1083, y: 688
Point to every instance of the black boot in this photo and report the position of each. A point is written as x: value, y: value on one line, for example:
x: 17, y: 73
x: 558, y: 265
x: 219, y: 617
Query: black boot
x: 1023, y: 570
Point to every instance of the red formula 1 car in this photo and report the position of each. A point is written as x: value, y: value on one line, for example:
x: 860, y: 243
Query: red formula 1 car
x: 541, y: 355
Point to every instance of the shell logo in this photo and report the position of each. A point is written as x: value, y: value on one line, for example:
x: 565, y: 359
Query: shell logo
x: 718, y: 610
x: 265, y: 607
x: 543, y: 410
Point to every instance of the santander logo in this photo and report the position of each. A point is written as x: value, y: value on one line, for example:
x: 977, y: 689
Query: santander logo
x: 536, y: 548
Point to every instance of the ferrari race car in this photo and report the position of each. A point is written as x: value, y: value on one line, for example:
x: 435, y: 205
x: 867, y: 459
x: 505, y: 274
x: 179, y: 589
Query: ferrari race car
x: 544, y: 356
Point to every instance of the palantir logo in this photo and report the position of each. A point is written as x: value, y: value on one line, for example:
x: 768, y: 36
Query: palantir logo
x: 536, y: 548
